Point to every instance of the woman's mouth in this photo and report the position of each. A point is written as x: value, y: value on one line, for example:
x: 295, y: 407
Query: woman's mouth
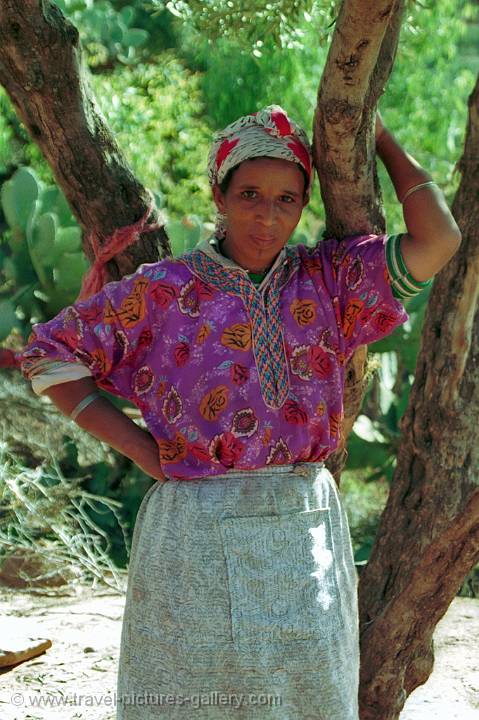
x: 263, y: 238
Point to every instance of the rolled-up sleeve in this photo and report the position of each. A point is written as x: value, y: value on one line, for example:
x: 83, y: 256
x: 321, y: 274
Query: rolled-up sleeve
x: 104, y: 336
x: 50, y: 372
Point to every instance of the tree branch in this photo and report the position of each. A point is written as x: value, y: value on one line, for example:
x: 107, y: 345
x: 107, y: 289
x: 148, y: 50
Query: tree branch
x: 358, y: 65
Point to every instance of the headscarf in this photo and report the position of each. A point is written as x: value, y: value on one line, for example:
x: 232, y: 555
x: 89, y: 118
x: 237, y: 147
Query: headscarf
x: 266, y: 133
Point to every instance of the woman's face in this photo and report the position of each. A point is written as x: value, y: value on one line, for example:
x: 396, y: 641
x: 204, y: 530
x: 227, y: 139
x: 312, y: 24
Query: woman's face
x: 263, y: 205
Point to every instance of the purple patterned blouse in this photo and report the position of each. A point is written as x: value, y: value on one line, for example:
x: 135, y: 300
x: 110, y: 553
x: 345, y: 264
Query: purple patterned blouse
x: 228, y: 374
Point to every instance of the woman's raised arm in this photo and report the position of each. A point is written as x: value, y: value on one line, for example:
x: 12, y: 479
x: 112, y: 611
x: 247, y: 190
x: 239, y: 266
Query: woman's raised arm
x: 432, y: 236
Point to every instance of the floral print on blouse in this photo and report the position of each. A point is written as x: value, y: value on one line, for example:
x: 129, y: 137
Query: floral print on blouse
x: 228, y: 374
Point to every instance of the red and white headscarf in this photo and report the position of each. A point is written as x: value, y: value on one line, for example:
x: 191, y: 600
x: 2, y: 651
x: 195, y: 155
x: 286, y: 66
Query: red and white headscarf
x: 266, y: 133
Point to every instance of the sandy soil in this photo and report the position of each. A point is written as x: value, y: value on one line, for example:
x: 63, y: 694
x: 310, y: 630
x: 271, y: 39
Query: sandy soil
x: 76, y: 678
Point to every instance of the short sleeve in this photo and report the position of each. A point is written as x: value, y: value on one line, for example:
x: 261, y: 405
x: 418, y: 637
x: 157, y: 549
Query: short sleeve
x: 109, y: 333
x: 356, y: 271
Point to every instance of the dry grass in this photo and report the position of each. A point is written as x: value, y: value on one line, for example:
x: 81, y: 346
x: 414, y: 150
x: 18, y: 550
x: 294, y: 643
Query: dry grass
x: 47, y: 536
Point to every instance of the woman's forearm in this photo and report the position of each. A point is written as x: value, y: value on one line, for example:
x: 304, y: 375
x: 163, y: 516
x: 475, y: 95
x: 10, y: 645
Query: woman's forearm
x: 102, y: 419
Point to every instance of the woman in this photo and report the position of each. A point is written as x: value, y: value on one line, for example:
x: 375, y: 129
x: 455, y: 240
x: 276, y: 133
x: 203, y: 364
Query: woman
x: 242, y: 590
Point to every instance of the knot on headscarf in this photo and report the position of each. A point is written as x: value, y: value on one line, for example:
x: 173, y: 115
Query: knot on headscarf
x: 266, y: 133
x: 121, y: 238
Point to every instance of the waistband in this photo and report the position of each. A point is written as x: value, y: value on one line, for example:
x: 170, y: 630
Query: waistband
x: 303, y: 468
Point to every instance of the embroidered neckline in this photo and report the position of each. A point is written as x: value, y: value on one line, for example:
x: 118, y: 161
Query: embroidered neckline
x: 263, y: 308
x: 210, y: 248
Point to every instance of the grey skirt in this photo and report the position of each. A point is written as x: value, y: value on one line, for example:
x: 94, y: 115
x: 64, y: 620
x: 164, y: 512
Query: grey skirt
x: 241, y: 600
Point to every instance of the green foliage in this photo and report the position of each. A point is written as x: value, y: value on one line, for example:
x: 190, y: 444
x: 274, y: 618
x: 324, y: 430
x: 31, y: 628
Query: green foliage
x: 41, y: 259
x: 18, y: 197
x: 156, y: 113
x: 250, y: 21
x: 428, y: 122
x: 234, y: 82
x: 16, y: 147
x: 364, y: 502
x: 7, y: 150
x: 184, y: 234
x: 470, y: 586
x: 157, y: 119
x: 373, y: 443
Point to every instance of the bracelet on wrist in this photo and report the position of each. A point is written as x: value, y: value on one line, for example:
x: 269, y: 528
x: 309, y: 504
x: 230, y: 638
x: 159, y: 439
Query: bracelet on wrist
x: 83, y: 404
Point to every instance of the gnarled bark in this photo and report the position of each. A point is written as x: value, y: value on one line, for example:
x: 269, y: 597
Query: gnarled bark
x: 42, y: 70
x: 428, y: 538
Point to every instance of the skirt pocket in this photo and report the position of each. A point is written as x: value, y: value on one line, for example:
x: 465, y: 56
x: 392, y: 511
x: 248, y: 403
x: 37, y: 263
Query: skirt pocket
x: 282, y: 576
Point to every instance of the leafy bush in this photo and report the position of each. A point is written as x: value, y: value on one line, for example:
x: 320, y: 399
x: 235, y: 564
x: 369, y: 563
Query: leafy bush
x: 280, y: 20
x: 156, y: 113
x: 63, y: 490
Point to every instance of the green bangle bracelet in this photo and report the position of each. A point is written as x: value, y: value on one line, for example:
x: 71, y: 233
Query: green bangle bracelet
x: 401, y: 280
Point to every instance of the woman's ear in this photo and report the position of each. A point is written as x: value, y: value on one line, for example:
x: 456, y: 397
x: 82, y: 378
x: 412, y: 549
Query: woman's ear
x: 219, y: 198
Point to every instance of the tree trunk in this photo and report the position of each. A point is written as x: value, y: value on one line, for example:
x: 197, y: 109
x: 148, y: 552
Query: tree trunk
x: 358, y: 65
x: 42, y: 70
x: 428, y: 538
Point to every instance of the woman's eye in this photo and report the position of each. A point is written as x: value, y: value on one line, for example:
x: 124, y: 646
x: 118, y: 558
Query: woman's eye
x: 248, y: 194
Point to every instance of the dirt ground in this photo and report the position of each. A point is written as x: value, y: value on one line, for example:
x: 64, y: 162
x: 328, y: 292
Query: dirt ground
x: 76, y: 678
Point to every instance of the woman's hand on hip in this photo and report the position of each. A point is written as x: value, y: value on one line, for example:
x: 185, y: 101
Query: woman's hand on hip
x: 147, y: 458
x: 152, y: 467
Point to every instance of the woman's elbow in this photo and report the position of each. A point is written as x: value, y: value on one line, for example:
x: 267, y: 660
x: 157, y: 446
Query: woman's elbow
x: 455, y: 238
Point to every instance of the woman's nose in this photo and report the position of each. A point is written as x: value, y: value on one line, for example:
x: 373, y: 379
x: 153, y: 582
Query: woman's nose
x: 266, y: 212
